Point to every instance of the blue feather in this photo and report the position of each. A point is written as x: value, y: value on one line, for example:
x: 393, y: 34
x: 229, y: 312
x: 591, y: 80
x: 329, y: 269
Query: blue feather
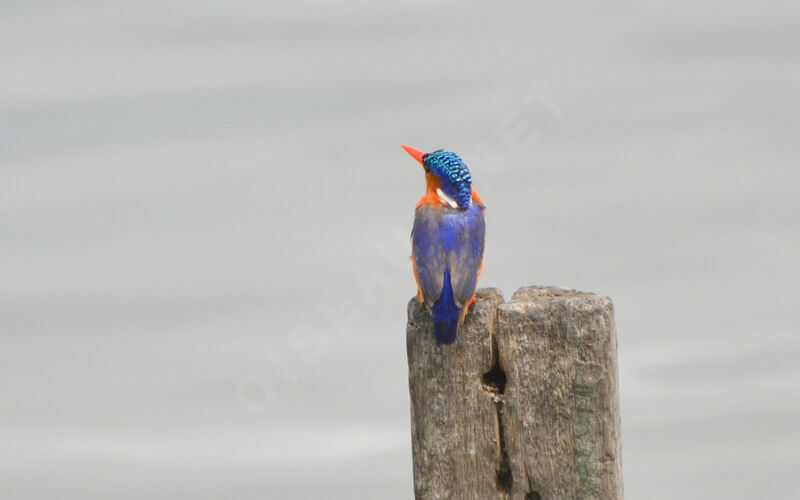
x: 453, y: 173
x: 445, y: 313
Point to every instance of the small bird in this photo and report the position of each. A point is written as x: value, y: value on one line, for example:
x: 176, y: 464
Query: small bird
x: 447, y: 241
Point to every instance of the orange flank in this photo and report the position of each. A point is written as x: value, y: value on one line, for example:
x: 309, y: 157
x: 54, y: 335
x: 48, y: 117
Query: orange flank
x: 469, y: 304
x: 463, y: 314
x: 465, y: 311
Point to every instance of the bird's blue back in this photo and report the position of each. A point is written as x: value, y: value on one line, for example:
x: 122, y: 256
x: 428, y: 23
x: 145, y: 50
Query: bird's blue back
x: 448, y: 252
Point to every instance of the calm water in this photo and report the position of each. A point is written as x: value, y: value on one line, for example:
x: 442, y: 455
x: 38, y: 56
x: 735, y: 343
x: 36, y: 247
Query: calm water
x: 205, y: 215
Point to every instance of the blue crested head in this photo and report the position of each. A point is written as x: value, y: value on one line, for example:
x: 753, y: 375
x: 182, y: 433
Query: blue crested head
x: 453, y: 173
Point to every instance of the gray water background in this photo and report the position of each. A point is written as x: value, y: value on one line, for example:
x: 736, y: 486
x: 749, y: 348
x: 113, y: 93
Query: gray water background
x: 205, y: 210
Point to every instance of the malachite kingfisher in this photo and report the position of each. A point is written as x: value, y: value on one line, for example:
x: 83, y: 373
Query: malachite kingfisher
x: 447, y: 241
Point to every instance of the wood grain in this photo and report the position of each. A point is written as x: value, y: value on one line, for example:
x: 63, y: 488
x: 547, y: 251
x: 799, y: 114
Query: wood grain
x: 525, y: 403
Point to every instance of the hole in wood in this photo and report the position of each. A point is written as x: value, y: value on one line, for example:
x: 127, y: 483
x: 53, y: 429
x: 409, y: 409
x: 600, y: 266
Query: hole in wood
x: 533, y: 495
x: 494, y: 380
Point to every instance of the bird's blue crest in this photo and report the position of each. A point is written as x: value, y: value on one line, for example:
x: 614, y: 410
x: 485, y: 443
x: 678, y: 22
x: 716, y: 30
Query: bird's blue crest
x: 454, y: 174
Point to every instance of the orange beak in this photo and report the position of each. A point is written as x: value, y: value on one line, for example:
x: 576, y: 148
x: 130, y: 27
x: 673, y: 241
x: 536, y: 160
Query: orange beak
x: 416, y: 153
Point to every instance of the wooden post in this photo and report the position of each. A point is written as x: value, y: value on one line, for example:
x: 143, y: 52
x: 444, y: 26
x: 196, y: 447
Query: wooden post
x: 525, y: 403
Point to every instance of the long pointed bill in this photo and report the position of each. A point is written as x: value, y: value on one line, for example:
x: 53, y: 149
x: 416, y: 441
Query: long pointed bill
x: 416, y: 153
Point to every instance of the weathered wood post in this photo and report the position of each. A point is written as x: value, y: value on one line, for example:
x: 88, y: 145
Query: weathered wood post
x: 525, y: 403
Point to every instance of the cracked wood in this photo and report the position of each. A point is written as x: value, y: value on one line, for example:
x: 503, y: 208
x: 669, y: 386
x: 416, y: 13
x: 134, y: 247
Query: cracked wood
x: 523, y: 405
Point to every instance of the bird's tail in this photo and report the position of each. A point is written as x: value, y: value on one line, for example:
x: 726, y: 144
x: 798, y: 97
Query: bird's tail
x: 446, y: 313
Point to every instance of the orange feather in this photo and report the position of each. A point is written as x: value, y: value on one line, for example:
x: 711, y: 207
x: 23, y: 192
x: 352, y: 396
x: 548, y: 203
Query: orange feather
x: 476, y: 197
x: 430, y: 197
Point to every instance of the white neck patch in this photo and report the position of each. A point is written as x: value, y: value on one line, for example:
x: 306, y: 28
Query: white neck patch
x: 446, y: 199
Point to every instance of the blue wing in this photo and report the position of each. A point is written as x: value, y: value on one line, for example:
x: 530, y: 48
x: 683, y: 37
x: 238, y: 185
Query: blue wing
x: 447, y: 239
